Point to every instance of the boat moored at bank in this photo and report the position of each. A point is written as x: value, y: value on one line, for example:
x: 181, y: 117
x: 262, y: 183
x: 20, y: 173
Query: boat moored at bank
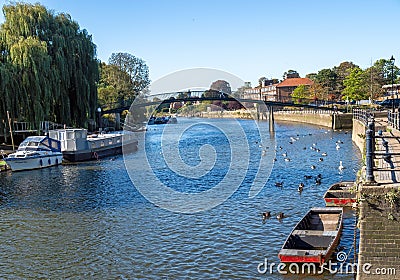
x: 341, y: 194
x: 315, y: 237
x: 35, y: 152
x: 77, y: 145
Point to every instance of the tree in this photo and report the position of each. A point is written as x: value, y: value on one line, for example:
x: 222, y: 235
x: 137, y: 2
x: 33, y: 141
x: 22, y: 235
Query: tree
x: 317, y: 92
x: 261, y: 81
x: 380, y: 74
x: 113, y: 86
x: 48, y: 67
x: 222, y: 86
x: 240, y: 91
x: 301, y: 92
x: 356, y: 87
x: 342, y: 71
x: 136, y: 69
x: 290, y: 74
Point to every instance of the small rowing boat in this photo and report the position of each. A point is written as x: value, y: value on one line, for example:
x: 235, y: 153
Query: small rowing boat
x: 340, y: 194
x: 314, y: 238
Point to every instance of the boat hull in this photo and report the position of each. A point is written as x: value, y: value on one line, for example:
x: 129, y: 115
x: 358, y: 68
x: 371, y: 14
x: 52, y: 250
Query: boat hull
x: 340, y: 194
x: 95, y: 154
x: 314, y: 238
x: 30, y: 163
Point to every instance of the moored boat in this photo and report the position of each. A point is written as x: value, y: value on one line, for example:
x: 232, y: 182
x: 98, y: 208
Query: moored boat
x: 340, y: 194
x: 35, y: 152
x: 315, y: 237
x: 76, y: 145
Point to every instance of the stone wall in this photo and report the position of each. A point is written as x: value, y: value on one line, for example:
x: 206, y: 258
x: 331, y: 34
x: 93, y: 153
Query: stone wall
x: 335, y: 121
x: 379, y: 222
x: 317, y: 119
x: 358, y: 135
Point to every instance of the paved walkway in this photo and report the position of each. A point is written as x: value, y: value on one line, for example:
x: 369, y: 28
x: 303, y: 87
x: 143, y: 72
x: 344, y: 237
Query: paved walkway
x: 379, y: 215
x: 388, y: 167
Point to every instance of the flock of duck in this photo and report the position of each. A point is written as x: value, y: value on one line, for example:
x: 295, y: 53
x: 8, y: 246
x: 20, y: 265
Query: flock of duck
x: 267, y: 215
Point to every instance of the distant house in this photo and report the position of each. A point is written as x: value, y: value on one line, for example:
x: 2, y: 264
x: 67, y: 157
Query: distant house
x: 266, y: 92
x: 285, y: 89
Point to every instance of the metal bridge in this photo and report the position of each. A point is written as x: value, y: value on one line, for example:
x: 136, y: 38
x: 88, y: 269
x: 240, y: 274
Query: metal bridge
x: 198, y: 96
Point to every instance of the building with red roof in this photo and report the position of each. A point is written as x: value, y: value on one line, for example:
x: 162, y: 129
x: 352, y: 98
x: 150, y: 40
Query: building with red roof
x: 285, y: 88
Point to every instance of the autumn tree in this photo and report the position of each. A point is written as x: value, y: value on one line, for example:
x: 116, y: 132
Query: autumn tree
x: 48, y: 67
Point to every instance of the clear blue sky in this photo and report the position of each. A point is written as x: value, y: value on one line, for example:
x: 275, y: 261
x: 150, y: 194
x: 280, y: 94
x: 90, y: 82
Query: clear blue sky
x: 249, y: 38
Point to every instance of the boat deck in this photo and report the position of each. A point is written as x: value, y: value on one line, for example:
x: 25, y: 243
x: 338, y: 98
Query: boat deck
x: 324, y: 222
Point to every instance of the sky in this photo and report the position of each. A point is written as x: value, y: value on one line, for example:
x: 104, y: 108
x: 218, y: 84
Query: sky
x: 249, y: 39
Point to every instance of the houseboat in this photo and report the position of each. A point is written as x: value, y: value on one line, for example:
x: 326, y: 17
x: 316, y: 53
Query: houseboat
x: 77, y: 145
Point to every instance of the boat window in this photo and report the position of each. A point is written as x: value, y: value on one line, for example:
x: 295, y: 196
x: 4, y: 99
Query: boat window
x: 78, y: 134
x: 33, y: 144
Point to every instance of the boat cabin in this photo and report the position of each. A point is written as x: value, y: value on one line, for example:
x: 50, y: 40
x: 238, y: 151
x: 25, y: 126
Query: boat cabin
x: 72, y: 139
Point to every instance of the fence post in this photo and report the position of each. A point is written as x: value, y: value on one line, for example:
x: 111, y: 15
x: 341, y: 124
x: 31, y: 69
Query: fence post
x: 369, y: 158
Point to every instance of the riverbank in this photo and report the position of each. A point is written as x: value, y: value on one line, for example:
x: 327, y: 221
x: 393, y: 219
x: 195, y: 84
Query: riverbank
x: 316, y: 117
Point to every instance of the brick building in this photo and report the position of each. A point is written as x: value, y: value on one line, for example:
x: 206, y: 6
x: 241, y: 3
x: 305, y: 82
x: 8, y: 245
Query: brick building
x: 285, y: 88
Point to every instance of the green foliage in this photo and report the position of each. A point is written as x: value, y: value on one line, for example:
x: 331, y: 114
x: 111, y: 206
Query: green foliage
x: 136, y: 70
x: 356, y: 85
x: 48, y: 68
x: 301, y: 92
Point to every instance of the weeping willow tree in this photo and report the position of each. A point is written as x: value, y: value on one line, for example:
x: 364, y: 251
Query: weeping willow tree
x: 48, y: 67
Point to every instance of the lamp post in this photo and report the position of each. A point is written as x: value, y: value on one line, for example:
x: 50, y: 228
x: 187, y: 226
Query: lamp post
x: 392, y: 63
x: 99, y: 123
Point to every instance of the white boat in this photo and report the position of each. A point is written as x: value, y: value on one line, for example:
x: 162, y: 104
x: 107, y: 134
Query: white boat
x: 35, y: 152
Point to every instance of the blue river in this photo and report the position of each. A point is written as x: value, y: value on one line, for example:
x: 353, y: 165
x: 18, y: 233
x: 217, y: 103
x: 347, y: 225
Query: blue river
x: 89, y: 221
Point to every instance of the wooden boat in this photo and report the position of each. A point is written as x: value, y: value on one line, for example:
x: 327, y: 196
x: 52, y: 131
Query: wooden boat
x: 315, y: 237
x: 340, y: 194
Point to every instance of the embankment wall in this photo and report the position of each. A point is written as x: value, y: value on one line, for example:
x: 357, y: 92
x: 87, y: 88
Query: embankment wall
x: 335, y: 121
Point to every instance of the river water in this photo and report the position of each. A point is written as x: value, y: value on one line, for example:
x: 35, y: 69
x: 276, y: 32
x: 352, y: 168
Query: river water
x: 88, y: 221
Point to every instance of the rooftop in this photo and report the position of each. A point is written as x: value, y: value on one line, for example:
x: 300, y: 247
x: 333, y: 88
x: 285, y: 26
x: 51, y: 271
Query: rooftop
x: 294, y: 82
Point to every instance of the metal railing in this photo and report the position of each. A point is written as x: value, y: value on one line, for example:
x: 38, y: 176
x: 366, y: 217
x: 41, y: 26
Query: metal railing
x: 365, y: 116
x: 385, y: 153
x: 304, y: 111
x: 394, y: 119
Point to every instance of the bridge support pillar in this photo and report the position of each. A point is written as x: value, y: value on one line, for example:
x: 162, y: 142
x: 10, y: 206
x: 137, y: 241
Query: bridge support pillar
x: 271, y: 120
